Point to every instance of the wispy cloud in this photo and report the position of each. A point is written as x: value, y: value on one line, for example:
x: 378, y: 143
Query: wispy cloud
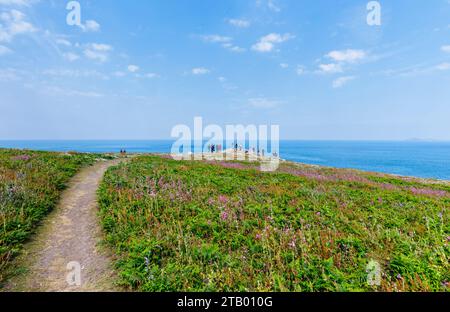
x: 9, y: 74
x: 97, y: 52
x: 446, y: 48
x: 58, y: 91
x: 347, y: 56
x: 267, y: 43
x: 340, y: 59
x: 341, y: 81
x: 224, y: 41
x: 90, y: 26
x: 233, y: 48
x: 63, y: 42
x: 26, y: 3
x: 216, y: 38
x: 240, y: 23
x: 301, y: 70
x: 133, y: 68
x: 443, y: 66
x: 332, y: 68
x: 4, y: 50
x: 75, y: 73
x: 14, y: 23
x: 269, y: 4
x: 70, y: 56
x: 263, y: 103
x: 200, y: 71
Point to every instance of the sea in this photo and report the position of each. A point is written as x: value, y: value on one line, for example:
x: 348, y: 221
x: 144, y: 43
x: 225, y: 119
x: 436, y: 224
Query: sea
x: 406, y: 158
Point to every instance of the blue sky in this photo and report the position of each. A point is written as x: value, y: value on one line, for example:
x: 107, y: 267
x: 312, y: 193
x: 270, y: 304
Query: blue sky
x: 134, y: 69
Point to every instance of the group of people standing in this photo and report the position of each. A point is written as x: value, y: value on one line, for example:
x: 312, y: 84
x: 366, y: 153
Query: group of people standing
x: 217, y: 148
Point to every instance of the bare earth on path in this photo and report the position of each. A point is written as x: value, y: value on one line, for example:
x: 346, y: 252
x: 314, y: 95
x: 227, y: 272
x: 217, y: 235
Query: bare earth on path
x: 70, y: 234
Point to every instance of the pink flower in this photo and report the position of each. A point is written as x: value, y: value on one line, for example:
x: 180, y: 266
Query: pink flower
x: 224, y: 216
x: 258, y: 236
x: 223, y: 199
x: 292, y: 243
x: 429, y: 192
x: 22, y: 158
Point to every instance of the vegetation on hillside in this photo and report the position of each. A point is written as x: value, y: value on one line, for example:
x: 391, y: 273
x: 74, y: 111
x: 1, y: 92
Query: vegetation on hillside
x: 30, y: 185
x: 226, y: 226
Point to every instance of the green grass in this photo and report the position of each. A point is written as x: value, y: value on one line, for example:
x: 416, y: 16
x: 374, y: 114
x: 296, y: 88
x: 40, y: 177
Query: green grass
x: 197, y: 226
x: 30, y: 185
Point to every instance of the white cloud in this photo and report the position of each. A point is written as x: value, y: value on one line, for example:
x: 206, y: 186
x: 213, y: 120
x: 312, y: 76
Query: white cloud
x: 97, y: 52
x: 330, y: 68
x: 443, y: 66
x: 4, y: 50
x: 70, y: 73
x: 233, y: 48
x: 301, y: 70
x: 241, y: 23
x: 226, y: 42
x: 341, y: 81
x: 26, y: 3
x: 263, y: 103
x: 9, y: 74
x: 148, y: 75
x: 151, y: 75
x: 71, y: 57
x: 57, y: 91
x: 13, y: 23
x: 101, y: 47
x: 272, y: 6
x: 90, y: 26
x: 64, y: 42
x: 284, y: 65
x: 217, y: 38
x: 200, y: 71
x: 348, y: 56
x: 119, y: 74
x: 96, y: 56
x: 446, y: 48
x: 133, y: 68
x: 267, y: 43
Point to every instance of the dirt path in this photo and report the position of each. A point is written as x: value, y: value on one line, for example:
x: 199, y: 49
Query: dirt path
x: 69, y: 236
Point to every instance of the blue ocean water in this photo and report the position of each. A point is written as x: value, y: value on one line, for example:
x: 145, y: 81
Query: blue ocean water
x: 419, y: 159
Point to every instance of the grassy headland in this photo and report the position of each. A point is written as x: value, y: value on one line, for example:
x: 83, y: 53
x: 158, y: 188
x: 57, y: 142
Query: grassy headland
x: 226, y: 226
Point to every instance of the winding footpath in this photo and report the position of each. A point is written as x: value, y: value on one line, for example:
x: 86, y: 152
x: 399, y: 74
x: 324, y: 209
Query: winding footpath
x: 68, y: 243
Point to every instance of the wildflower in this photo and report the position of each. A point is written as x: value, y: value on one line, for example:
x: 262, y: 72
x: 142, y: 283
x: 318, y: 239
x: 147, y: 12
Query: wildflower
x: 258, y: 236
x: 223, y: 199
x: 292, y: 243
x: 399, y: 277
x: 224, y: 216
x: 429, y: 192
x: 22, y: 158
x: 318, y: 213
